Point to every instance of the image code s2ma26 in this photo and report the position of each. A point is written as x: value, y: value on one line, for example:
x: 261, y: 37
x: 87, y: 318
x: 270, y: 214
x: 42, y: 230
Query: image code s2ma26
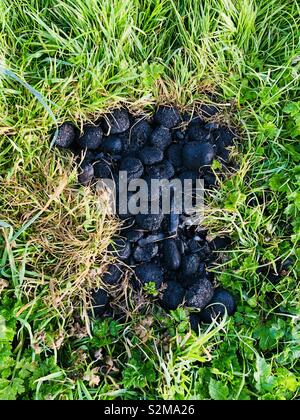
x: 156, y: 409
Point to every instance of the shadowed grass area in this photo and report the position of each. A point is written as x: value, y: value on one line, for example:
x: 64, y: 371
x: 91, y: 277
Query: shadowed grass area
x: 86, y: 56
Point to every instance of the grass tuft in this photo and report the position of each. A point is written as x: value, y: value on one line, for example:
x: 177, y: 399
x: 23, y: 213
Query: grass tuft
x: 86, y: 57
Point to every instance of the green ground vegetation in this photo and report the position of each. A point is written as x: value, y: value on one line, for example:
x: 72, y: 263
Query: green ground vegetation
x: 80, y: 58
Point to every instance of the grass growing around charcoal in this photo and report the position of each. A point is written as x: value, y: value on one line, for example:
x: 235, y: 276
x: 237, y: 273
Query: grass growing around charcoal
x: 83, y: 57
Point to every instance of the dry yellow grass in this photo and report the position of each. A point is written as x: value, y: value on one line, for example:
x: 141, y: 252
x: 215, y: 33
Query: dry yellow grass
x: 68, y: 231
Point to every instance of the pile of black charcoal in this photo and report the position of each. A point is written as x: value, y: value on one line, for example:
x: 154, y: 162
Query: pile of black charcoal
x: 163, y: 250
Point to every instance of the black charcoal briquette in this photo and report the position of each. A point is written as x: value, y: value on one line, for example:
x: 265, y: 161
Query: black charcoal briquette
x: 149, y: 272
x: 163, y: 170
x: 227, y: 136
x: 151, y: 222
x: 173, y: 295
x: 139, y: 134
x: 86, y: 173
x: 199, y: 294
x: 221, y: 303
x: 116, y: 122
x: 91, y: 138
x: 190, y: 265
x: 113, y: 274
x: 171, y: 254
x: 151, y: 155
x: 133, y: 167
x: 145, y: 253
x: 161, y: 137
x: 102, y: 170
x: 196, y: 155
x: 66, y: 135
x: 196, y: 132
x: 133, y: 235
x: 220, y: 242
x: 100, y: 301
x: 121, y: 247
x: 112, y: 144
x: 174, y: 154
x: 167, y: 116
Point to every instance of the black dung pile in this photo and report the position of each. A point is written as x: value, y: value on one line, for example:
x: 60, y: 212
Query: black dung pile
x: 161, y: 248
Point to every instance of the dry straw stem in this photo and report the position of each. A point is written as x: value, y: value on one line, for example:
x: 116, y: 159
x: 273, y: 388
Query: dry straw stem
x: 68, y: 231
